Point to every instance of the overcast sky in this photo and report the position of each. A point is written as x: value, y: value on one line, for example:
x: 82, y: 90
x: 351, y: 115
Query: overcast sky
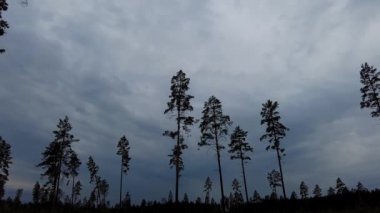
x: 107, y: 65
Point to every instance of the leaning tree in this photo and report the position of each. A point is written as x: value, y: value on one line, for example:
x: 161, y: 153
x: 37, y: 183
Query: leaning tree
x: 55, y: 159
x: 370, y: 78
x: 214, y: 126
x: 239, y: 149
x: 275, y: 132
x: 73, y: 167
x: 179, y: 105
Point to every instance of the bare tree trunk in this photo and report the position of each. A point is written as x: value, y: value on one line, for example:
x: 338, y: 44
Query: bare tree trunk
x: 72, y: 191
x: 121, y: 182
x: 282, y: 176
x: 176, y: 163
x: 220, y: 173
x: 245, y: 182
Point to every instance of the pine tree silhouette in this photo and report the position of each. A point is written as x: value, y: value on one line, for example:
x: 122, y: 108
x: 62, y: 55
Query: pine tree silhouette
x: 214, y: 125
x: 275, y: 132
x: 123, y: 151
x: 179, y: 105
x: 370, y: 78
x: 239, y: 148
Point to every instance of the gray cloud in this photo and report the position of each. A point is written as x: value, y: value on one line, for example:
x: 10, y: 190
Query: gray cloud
x: 108, y: 67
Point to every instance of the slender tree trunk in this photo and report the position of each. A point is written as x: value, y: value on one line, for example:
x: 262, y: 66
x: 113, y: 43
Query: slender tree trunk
x: 55, y: 199
x: 245, y: 182
x: 282, y: 176
x: 72, y: 191
x: 121, y: 182
x: 178, y: 146
x: 220, y: 172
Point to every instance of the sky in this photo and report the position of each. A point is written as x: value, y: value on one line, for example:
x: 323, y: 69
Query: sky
x: 107, y: 65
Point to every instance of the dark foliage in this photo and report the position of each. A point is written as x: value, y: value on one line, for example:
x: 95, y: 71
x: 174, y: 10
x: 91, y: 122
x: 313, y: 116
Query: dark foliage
x: 207, y: 188
x: 73, y: 166
x: 274, y: 179
x: 101, y: 186
x: 56, y: 158
x: 3, y: 24
x: 5, y: 161
x: 36, y: 193
x: 370, y: 78
x: 304, y: 190
x: 317, y: 191
x: 350, y: 202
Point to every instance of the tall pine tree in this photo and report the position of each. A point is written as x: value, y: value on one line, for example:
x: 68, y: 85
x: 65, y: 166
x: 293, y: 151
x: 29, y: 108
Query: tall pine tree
x: 275, y: 132
x: 55, y: 158
x: 95, y: 179
x: 239, y: 148
x: 73, y: 166
x: 214, y: 126
x: 123, y: 151
x: 179, y: 105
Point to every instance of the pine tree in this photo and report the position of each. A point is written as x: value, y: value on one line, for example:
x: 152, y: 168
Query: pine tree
x: 127, y: 200
x: 170, y: 197
x: 207, y: 188
x: 330, y: 191
x: 36, y: 193
x: 185, y: 198
x: 237, y: 196
x: 275, y: 132
x: 103, y: 191
x: 123, y: 151
x: 293, y: 196
x: 77, y: 190
x: 239, y: 147
x: 214, y: 126
x: 5, y: 161
x: 360, y: 187
x: 179, y: 105
x: 370, y: 78
x: 95, y: 179
x: 3, y: 24
x: 17, y: 198
x: 317, y: 191
x: 304, y: 190
x: 340, y: 186
x: 73, y: 166
x: 256, y: 197
x: 274, y: 179
x: 55, y: 160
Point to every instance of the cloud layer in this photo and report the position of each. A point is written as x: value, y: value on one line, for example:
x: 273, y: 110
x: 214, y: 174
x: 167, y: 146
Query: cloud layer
x: 108, y: 67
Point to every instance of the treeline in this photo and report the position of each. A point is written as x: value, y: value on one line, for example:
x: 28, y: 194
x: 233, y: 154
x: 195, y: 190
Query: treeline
x: 348, y: 201
x: 61, y: 163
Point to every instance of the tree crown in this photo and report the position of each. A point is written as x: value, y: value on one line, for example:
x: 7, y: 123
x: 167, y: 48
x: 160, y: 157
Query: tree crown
x: 370, y: 78
x: 213, y: 122
x: 238, y: 145
x: 275, y: 130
